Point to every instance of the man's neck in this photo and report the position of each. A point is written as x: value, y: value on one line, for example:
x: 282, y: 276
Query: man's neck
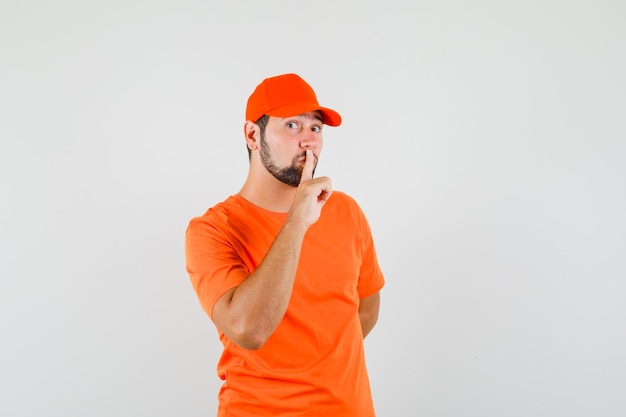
x: 268, y: 193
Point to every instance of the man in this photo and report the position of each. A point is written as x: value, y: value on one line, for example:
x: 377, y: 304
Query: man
x: 287, y: 271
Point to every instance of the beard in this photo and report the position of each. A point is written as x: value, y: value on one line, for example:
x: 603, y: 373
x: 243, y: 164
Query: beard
x: 290, y: 175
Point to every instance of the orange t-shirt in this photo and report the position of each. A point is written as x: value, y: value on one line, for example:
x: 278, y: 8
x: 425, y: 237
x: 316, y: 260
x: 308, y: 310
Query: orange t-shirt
x: 314, y: 363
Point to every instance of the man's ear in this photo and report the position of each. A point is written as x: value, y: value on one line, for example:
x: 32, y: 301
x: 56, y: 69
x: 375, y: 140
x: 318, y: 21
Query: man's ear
x: 252, y: 133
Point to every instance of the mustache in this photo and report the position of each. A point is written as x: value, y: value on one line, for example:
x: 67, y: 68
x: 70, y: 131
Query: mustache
x: 303, y: 156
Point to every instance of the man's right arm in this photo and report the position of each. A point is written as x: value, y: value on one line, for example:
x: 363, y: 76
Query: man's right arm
x: 249, y: 314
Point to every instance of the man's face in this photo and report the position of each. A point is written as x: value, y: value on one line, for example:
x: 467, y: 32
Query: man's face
x: 284, y: 143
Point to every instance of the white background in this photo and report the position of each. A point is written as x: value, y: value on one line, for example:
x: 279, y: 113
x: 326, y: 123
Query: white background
x: 485, y: 141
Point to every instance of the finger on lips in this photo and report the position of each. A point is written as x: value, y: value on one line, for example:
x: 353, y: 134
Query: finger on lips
x: 309, y: 164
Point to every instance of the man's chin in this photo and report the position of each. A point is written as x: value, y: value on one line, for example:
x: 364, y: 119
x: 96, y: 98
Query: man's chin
x: 290, y: 176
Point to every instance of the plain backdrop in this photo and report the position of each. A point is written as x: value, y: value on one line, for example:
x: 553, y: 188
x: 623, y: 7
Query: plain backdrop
x: 485, y: 141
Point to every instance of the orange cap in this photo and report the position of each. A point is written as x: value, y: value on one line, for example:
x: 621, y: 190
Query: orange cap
x: 286, y: 95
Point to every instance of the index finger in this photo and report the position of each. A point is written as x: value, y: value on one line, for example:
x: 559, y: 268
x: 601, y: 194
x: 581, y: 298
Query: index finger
x: 309, y: 166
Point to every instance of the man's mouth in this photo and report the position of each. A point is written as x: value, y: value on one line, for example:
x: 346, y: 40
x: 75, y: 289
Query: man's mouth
x: 302, y: 158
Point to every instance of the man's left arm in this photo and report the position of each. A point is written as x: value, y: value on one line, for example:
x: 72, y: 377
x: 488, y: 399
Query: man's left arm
x: 368, y: 312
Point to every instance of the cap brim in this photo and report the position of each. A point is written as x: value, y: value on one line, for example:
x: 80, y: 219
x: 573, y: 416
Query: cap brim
x: 329, y: 116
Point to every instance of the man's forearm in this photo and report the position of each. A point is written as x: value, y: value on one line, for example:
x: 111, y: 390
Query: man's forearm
x: 256, y: 307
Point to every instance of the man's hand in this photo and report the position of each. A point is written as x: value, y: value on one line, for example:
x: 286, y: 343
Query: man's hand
x: 311, y: 196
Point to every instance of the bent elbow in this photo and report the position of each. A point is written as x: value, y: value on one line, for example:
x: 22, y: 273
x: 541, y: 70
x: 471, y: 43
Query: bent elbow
x: 245, y: 329
x: 251, y: 344
x: 248, y: 337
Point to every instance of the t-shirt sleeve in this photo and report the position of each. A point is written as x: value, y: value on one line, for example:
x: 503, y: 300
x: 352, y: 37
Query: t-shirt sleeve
x: 371, y: 278
x: 212, y: 263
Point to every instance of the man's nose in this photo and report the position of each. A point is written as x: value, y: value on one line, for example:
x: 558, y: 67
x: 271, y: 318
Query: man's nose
x: 309, y: 140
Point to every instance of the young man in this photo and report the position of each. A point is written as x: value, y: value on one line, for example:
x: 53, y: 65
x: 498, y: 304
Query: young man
x: 287, y: 270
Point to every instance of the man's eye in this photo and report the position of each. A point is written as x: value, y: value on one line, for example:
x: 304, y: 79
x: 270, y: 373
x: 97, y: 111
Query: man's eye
x: 316, y: 129
x: 292, y: 125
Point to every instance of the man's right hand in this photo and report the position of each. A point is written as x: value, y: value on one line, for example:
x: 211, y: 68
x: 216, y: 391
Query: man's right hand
x: 311, y: 196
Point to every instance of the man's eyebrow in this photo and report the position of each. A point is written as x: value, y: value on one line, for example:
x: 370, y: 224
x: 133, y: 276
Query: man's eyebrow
x: 313, y: 115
